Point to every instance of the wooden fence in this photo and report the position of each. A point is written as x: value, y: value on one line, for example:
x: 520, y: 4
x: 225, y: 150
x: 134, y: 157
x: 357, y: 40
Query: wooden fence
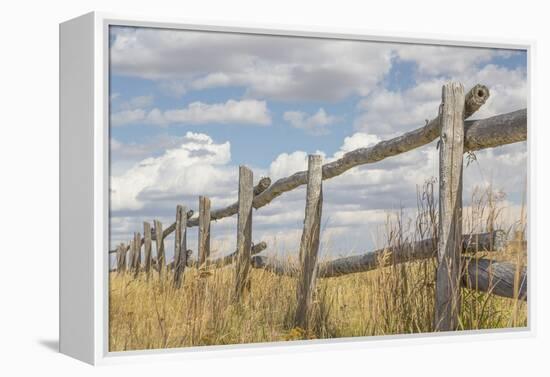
x: 454, y: 267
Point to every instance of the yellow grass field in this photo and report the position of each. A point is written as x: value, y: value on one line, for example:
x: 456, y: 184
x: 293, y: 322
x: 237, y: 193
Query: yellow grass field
x: 393, y: 300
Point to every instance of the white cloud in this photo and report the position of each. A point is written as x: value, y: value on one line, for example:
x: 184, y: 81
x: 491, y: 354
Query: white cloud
x: 231, y: 112
x: 316, y: 124
x: 444, y: 60
x: 136, y: 103
x: 356, y: 141
x: 125, y: 117
x: 198, y: 165
x: 287, y: 164
x: 275, y: 67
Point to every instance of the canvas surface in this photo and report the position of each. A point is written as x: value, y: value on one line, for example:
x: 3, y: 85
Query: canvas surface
x: 215, y: 240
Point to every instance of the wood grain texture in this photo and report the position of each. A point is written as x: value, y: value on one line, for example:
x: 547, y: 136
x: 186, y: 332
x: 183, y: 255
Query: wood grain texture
x: 495, y: 131
x: 121, y: 257
x: 500, y: 278
x: 204, y: 229
x: 147, y: 246
x: 484, y: 275
x: 136, y: 262
x: 161, y: 259
x: 451, y: 146
x: 309, y: 244
x: 406, y: 252
x: 180, y: 245
x: 244, y: 232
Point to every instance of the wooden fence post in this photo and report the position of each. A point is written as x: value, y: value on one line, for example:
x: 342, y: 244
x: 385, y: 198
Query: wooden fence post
x: 160, y: 248
x: 309, y: 245
x: 244, y: 231
x: 121, y: 258
x: 136, y: 264
x: 447, y: 289
x: 147, y: 244
x: 180, y: 248
x: 204, y: 229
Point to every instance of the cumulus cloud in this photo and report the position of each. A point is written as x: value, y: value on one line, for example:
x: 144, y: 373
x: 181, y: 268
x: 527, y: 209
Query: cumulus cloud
x: 275, y: 67
x: 231, y: 112
x: 198, y: 165
x: 316, y: 124
x: 287, y: 164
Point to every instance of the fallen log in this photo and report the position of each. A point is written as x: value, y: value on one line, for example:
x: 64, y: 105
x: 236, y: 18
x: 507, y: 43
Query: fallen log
x: 496, y: 279
x: 481, y: 274
x: 493, y: 241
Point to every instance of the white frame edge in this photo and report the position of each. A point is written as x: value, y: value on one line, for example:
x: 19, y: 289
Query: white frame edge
x: 84, y: 286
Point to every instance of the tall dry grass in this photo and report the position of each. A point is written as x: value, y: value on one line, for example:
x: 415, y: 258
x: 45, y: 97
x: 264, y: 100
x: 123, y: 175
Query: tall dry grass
x: 147, y: 313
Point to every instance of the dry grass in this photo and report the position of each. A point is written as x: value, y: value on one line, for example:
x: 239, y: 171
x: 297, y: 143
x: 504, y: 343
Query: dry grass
x: 399, y: 299
x: 393, y: 300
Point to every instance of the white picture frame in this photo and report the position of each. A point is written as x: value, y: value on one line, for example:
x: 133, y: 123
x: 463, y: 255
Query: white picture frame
x: 84, y: 190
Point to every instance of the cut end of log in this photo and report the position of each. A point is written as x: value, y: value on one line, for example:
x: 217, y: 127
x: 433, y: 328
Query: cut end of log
x: 190, y: 214
x: 264, y: 183
x: 475, y: 98
x: 259, y: 247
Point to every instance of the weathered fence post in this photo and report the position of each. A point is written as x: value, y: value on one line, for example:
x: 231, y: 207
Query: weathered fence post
x: 121, y: 258
x: 159, y: 237
x: 204, y: 229
x: 244, y: 231
x: 180, y: 248
x: 451, y: 145
x: 147, y: 243
x: 309, y: 245
x: 136, y: 263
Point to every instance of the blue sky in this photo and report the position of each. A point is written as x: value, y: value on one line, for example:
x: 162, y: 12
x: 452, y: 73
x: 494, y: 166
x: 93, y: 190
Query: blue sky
x: 188, y: 107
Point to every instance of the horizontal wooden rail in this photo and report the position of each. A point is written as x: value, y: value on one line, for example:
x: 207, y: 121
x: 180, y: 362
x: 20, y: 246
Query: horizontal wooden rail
x: 479, y: 134
x: 217, y: 262
x: 229, y: 259
x: 222, y: 261
x: 496, y: 279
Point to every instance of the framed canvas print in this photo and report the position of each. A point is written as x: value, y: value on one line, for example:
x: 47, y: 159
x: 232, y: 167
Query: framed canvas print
x: 226, y: 188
